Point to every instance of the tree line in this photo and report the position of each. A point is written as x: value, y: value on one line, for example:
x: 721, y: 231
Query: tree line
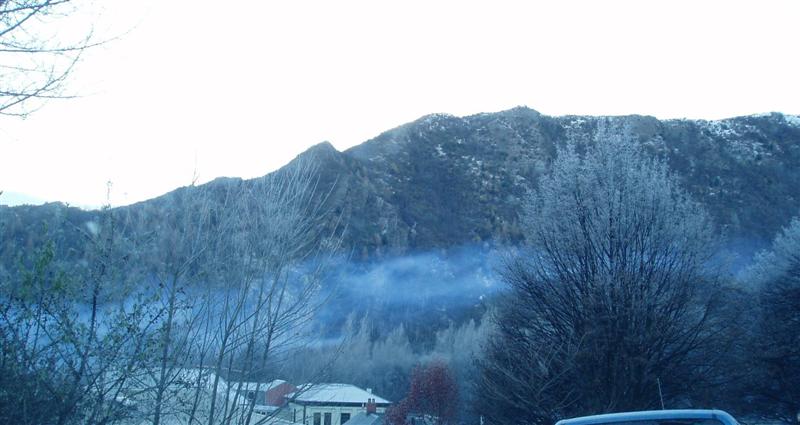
x: 221, y: 280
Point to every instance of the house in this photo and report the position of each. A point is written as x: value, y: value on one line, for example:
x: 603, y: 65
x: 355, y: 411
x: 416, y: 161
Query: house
x: 336, y: 404
x: 194, y: 388
x: 277, y: 392
x: 271, y: 394
x: 267, y: 397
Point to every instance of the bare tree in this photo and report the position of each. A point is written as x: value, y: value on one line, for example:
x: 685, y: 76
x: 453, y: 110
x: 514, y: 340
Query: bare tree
x: 237, y: 270
x: 179, y: 234
x: 279, y: 250
x: 38, y: 50
x: 605, y: 303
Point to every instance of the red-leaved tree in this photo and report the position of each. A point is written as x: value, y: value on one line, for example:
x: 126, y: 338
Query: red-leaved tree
x: 433, y: 395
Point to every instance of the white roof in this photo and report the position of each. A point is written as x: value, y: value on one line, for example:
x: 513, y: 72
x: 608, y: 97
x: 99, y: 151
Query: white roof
x: 251, y: 386
x: 335, y: 393
x: 363, y: 418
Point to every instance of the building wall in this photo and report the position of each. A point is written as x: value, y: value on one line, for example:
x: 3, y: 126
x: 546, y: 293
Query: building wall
x: 296, y: 413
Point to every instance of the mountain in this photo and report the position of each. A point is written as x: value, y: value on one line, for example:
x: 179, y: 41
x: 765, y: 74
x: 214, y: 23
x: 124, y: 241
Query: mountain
x: 444, y: 181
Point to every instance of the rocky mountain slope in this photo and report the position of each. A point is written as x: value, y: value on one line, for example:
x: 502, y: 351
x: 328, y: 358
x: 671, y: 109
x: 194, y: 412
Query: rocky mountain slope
x: 443, y: 181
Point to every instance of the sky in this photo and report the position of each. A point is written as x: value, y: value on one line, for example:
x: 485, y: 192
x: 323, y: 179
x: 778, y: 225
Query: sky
x: 190, y: 92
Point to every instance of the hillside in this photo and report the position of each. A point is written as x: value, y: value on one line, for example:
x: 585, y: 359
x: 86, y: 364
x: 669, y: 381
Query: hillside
x: 443, y: 181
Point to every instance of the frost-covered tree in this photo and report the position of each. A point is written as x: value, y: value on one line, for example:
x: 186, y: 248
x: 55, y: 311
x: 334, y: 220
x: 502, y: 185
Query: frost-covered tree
x: 776, y: 274
x: 605, y: 300
x: 385, y: 361
x: 771, y: 263
x: 268, y: 271
x: 364, y: 358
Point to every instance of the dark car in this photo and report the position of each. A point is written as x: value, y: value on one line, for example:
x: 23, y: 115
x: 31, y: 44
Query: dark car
x: 656, y: 417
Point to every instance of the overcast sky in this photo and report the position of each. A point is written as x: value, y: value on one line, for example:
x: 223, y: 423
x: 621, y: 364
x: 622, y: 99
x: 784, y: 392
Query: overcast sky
x: 240, y: 90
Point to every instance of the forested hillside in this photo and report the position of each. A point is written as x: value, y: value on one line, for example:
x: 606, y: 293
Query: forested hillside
x: 443, y: 181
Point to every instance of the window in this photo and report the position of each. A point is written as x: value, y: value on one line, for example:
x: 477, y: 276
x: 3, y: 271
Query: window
x: 327, y: 418
x: 345, y: 417
x: 317, y: 418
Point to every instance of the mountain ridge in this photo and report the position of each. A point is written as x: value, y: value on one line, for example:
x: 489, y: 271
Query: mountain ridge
x: 506, y: 152
x: 442, y: 180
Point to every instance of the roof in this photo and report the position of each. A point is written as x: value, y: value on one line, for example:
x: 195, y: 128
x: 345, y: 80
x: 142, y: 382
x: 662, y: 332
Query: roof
x: 273, y: 420
x: 334, y: 394
x: 251, y: 386
x: 724, y: 417
x: 265, y: 410
x: 275, y: 383
x: 363, y: 418
x: 205, y: 376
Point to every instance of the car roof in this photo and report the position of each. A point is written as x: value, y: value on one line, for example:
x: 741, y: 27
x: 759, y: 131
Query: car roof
x: 651, y: 415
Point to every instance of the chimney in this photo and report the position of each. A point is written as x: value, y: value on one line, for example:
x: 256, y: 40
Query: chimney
x: 371, y: 406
